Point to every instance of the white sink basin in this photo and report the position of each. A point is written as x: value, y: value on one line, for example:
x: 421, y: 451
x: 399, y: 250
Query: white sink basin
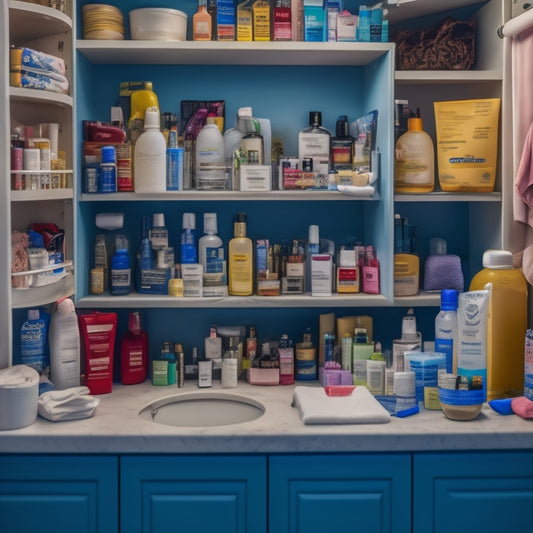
x: 203, y: 409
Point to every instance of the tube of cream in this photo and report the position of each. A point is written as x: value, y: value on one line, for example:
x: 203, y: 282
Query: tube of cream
x: 472, y: 315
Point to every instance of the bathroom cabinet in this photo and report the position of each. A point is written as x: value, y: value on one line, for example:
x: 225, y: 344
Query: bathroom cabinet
x: 47, y: 30
x: 284, y: 81
x: 442, y: 492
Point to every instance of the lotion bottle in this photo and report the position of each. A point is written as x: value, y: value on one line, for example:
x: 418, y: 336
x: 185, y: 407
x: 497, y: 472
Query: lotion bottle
x: 240, y: 258
x: 64, y: 339
x: 414, y: 168
x: 150, y: 156
x: 314, y: 143
x: 210, y: 163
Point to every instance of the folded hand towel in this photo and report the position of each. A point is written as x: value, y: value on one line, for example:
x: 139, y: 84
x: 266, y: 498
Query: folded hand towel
x: 69, y: 404
x: 360, y: 407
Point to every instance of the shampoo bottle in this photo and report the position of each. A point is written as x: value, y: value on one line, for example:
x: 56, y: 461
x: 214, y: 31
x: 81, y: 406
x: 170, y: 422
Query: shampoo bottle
x: 33, y: 341
x: 64, y: 339
x: 240, y: 258
x: 134, y: 352
x: 414, y: 168
x: 150, y: 156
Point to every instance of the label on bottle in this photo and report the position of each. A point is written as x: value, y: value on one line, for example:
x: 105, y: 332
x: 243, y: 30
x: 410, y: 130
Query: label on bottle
x: 121, y: 277
x: 214, y: 260
x: 108, y: 178
x: 158, y: 238
x: 445, y: 346
x: 315, y: 146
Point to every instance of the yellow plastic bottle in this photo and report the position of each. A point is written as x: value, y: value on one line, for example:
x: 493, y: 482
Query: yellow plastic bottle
x: 414, y: 162
x: 240, y: 260
x: 507, y: 323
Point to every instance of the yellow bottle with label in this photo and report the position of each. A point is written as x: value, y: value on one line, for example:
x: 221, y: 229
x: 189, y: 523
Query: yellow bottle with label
x: 414, y: 162
x: 506, y: 325
x: 240, y: 260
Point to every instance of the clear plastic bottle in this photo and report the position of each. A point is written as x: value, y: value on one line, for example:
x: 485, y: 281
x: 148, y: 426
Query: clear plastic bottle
x: 64, y: 340
x: 150, y: 156
x: 414, y: 167
x: 211, y: 250
x: 506, y: 325
x: 446, y: 328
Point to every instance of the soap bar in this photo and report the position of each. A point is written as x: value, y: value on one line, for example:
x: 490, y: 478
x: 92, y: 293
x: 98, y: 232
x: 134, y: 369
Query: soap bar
x: 339, y: 390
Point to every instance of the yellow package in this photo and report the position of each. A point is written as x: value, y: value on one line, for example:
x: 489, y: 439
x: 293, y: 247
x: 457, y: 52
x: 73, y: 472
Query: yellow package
x: 467, y: 144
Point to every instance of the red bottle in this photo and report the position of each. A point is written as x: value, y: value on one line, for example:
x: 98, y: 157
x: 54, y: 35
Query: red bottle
x: 134, y: 352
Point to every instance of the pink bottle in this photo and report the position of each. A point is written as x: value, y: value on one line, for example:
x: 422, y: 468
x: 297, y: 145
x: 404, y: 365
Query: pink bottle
x: 134, y: 352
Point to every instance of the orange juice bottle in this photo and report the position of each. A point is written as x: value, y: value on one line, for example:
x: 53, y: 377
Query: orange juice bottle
x: 507, y: 323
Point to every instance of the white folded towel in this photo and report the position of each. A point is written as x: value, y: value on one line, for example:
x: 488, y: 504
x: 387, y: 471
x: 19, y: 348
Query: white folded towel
x: 19, y: 392
x: 360, y: 407
x: 69, y: 404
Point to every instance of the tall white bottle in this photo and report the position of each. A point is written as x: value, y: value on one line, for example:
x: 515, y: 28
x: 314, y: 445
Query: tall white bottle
x: 150, y: 156
x: 446, y: 328
x: 210, y: 165
x: 64, y: 339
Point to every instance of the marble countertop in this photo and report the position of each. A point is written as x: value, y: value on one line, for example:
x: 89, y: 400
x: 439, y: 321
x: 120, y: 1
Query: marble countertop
x: 117, y: 428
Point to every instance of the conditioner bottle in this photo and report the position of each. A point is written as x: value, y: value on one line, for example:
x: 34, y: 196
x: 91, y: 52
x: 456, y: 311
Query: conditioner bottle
x: 414, y: 166
x: 240, y: 258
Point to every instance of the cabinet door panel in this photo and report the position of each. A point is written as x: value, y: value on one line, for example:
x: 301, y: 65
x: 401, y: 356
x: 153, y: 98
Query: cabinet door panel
x: 459, y: 493
x: 58, y: 494
x: 318, y: 493
x: 193, y: 494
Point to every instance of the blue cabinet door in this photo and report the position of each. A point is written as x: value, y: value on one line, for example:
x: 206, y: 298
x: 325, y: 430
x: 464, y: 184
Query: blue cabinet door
x: 318, y: 493
x: 58, y: 494
x: 193, y: 494
x: 462, y: 493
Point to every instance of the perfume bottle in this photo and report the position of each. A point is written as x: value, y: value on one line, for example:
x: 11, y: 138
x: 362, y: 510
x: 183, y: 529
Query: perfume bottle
x: 201, y: 23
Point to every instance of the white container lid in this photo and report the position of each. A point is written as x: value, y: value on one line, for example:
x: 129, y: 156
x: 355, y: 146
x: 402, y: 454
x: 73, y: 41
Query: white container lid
x: 498, y: 259
x: 210, y: 223
x: 189, y: 221
x: 151, y: 118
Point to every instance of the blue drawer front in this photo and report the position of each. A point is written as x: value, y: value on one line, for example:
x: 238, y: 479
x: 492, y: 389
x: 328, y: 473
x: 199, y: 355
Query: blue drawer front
x: 58, y: 494
x: 461, y: 493
x: 318, y: 493
x: 225, y: 494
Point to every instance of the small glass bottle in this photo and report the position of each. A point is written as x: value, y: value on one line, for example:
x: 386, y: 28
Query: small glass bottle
x: 342, y: 146
x: 202, y: 29
x: 370, y: 272
x: 314, y: 143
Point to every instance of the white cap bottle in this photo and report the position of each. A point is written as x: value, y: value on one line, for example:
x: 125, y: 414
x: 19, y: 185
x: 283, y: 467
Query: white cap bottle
x: 149, y: 159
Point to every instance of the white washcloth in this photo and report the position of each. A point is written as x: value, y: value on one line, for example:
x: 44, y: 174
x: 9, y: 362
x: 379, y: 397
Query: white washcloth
x: 360, y: 407
x: 69, y: 404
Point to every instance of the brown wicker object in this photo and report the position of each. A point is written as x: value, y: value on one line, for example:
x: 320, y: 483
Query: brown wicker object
x: 448, y: 46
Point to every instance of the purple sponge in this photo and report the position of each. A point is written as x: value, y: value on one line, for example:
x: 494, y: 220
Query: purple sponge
x: 443, y: 272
